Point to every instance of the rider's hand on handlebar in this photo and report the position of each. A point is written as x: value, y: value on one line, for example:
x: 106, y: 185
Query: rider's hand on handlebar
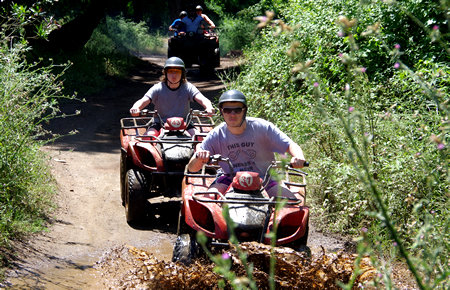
x: 135, y: 112
x: 297, y: 162
x: 210, y: 111
x: 202, y: 155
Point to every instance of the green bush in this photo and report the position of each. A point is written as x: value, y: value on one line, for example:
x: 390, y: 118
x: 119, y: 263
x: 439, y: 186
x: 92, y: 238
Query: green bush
x: 367, y: 99
x: 235, y: 33
x: 237, y: 30
x: 112, y: 51
x: 127, y: 37
x: 28, y: 99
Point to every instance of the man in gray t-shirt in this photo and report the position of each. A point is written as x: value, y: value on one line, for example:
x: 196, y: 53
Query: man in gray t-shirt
x: 250, y: 143
x: 171, y: 96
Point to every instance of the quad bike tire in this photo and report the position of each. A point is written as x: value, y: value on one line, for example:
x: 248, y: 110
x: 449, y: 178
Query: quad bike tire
x: 182, y: 227
x: 304, y: 240
x: 186, y: 249
x: 170, y: 52
x: 123, y: 172
x: 300, y: 244
x: 136, y: 188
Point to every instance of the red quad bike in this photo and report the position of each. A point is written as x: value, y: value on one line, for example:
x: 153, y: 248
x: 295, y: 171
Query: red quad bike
x: 152, y: 166
x: 250, y: 207
x: 200, y: 48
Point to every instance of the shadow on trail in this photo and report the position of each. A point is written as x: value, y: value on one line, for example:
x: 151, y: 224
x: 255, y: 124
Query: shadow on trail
x: 161, y: 216
x: 35, y: 276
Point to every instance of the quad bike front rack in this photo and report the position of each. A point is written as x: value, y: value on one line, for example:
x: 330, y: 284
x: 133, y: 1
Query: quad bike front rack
x: 289, y: 173
x: 136, y: 126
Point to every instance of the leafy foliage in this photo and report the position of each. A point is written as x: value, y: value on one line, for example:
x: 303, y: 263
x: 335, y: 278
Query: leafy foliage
x: 367, y: 98
x: 111, y: 52
x: 28, y: 98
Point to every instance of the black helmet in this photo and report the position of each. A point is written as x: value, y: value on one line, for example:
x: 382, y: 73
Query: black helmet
x: 198, y: 7
x: 183, y: 14
x: 174, y: 62
x: 232, y: 96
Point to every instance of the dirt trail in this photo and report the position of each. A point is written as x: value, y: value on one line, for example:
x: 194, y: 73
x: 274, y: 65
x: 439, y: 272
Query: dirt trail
x: 91, y: 220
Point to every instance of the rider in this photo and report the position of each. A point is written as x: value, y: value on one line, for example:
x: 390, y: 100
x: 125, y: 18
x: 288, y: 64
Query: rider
x: 172, y: 96
x: 199, y: 12
x: 178, y: 26
x: 193, y: 25
x: 249, y: 142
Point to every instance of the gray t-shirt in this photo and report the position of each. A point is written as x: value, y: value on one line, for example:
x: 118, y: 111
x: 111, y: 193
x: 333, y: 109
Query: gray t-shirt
x: 252, y: 150
x: 172, y: 103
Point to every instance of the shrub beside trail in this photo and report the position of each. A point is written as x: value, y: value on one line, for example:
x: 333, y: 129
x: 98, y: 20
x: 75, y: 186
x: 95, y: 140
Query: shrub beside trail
x: 364, y: 87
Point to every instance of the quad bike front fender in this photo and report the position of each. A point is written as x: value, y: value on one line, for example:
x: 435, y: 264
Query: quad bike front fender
x: 146, y: 156
x: 292, y: 224
x: 204, y: 217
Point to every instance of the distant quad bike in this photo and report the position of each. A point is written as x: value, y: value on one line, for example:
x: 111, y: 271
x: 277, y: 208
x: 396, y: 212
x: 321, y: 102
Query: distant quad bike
x: 200, y: 48
x: 250, y: 208
x: 152, y: 166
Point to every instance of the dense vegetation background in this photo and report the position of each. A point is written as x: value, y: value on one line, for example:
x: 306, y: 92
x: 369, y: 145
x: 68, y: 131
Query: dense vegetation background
x: 362, y: 85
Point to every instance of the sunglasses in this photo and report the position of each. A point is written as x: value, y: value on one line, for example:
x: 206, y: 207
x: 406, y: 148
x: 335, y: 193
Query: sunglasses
x: 230, y: 110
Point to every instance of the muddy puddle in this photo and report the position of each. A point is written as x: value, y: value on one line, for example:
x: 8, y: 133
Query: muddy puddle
x: 81, y: 272
x: 128, y: 267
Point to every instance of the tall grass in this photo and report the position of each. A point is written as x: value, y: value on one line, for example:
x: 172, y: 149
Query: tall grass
x: 368, y: 101
x: 237, y: 31
x: 28, y: 98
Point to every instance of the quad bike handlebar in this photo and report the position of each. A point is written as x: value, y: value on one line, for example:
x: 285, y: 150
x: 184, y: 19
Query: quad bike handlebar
x: 201, y: 120
x: 192, y: 113
x: 215, y: 159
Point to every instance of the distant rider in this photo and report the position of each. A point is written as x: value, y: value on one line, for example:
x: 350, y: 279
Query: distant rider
x: 193, y: 25
x: 172, y: 96
x: 199, y: 12
x: 178, y: 26
x: 249, y: 142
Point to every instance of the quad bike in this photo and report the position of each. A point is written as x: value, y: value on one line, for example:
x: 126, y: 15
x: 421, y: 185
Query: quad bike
x: 152, y: 166
x: 200, y: 48
x: 250, y: 208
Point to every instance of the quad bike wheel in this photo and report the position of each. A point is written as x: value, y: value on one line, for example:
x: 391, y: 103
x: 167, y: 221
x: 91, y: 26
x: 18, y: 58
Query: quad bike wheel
x: 186, y: 249
x: 123, y: 176
x: 182, y: 227
x: 304, y: 239
x: 300, y: 244
x: 136, y: 188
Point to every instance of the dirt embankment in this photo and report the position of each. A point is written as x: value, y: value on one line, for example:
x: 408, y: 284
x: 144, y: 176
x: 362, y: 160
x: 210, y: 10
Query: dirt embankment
x: 90, y: 220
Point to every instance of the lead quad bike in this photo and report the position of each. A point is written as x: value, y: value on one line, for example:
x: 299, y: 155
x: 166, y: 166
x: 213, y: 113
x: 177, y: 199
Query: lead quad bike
x: 250, y: 208
x: 152, y: 166
x: 200, y: 48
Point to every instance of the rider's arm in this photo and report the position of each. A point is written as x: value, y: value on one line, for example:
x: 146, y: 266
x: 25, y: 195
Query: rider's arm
x: 196, y: 163
x: 209, y: 21
x: 205, y: 102
x: 173, y: 26
x: 298, y: 159
x: 139, y: 105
